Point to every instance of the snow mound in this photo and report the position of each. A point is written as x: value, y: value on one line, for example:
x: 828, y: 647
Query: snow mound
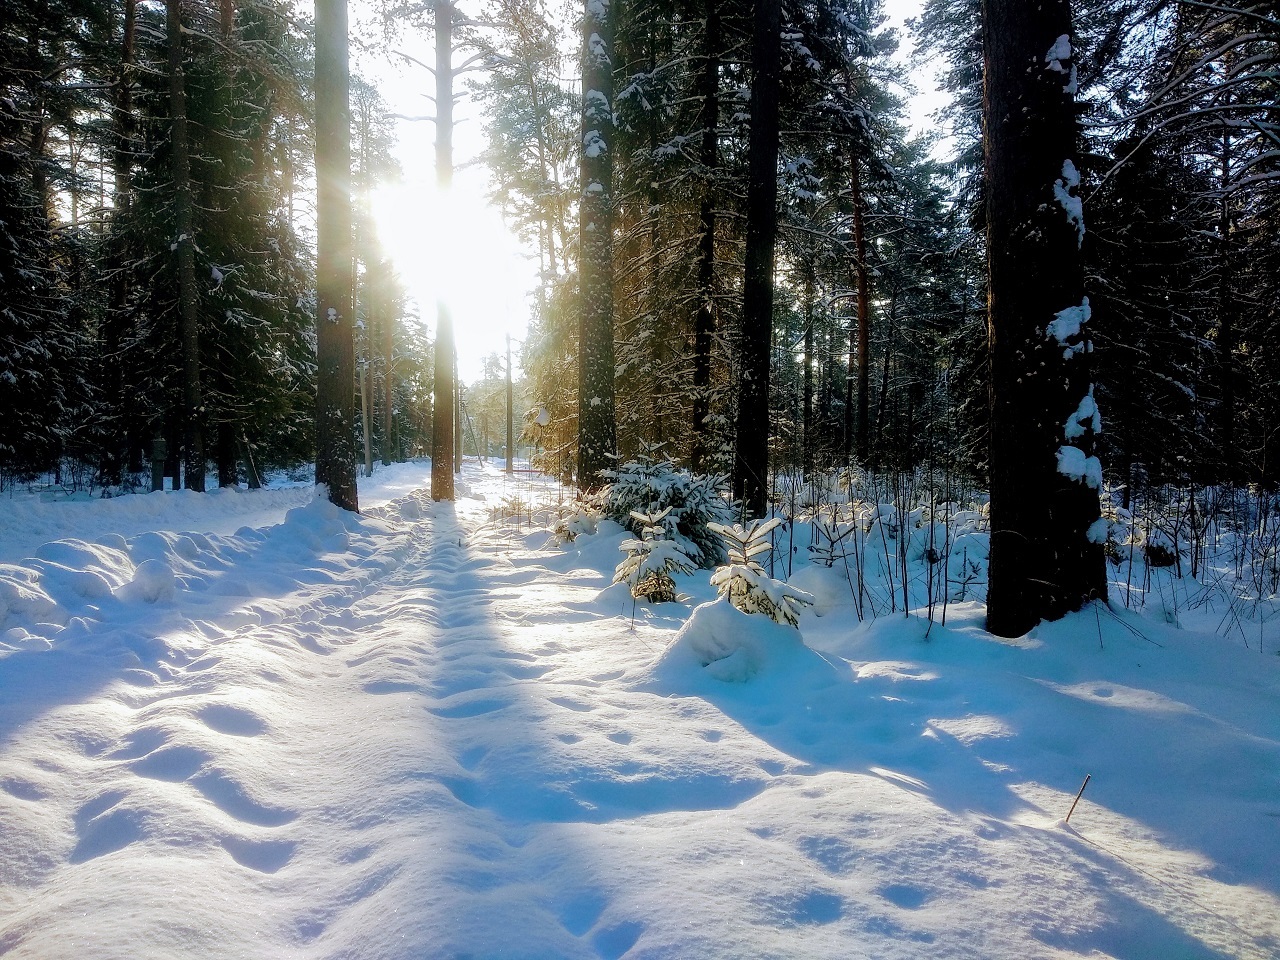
x: 722, y: 642
x: 153, y: 581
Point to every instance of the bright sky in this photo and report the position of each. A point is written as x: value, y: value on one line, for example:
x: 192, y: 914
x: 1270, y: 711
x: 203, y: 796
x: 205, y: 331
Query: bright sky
x: 457, y: 246
x: 460, y: 247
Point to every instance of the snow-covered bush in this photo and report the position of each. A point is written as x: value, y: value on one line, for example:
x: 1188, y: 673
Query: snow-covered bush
x: 744, y: 583
x: 695, y: 502
x: 578, y: 520
x: 651, y: 560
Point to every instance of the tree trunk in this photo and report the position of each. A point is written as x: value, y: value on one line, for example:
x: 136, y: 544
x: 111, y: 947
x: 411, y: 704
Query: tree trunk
x: 192, y: 407
x: 808, y: 432
x: 1226, y: 311
x: 597, y: 429
x: 864, y: 310
x: 118, y: 291
x: 751, y: 463
x: 335, y: 294
x: 704, y: 322
x: 388, y: 383
x: 1044, y: 479
x: 444, y: 413
x: 228, y: 472
x: 511, y: 436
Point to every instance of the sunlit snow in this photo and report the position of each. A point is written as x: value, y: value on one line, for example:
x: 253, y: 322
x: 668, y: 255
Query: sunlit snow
x: 248, y: 724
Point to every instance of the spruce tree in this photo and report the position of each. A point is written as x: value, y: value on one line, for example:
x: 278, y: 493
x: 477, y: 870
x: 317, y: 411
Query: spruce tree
x: 1045, y: 481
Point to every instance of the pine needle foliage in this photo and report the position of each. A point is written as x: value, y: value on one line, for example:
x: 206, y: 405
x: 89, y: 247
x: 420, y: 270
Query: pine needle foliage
x: 744, y: 581
x: 651, y: 560
x: 694, y: 501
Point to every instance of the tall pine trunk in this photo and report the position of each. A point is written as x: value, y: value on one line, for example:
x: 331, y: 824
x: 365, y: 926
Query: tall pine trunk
x: 335, y: 293
x: 751, y: 463
x: 184, y: 230
x: 388, y: 384
x: 704, y: 322
x: 810, y: 444
x: 597, y: 429
x: 1044, y: 478
x: 863, y: 447
x: 444, y: 418
x: 115, y: 446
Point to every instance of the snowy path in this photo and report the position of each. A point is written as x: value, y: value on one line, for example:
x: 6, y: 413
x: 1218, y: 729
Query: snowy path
x: 417, y: 734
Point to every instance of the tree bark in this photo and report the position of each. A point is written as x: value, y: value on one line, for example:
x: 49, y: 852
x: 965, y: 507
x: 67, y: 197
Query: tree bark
x: 444, y: 413
x: 189, y: 329
x: 597, y: 428
x: 335, y: 292
x: 388, y: 383
x: 511, y: 436
x: 808, y: 433
x: 864, y: 311
x: 115, y: 446
x: 704, y: 323
x: 1044, y: 479
x: 751, y: 463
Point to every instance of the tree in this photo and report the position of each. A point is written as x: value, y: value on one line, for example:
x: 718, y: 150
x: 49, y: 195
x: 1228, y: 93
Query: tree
x: 1044, y: 478
x: 184, y: 242
x: 444, y: 419
x: 751, y: 462
x: 335, y: 296
x: 597, y: 441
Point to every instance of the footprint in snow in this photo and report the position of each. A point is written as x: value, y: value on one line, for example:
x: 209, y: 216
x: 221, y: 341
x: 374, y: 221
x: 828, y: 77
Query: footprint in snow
x: 231, y: 720
x: 264, y: 856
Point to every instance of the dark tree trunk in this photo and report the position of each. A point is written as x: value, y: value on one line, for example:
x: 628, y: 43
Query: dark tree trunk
x: 704, y: 322
x: 115, y: 445
x: 751, y: 463
x: 444, y: 414
x: 1044, y: 495
x: 597, y: 428
x: 1226, y: 311
x: 184, y: 230
x: 335, y: 293
x: 388, y: 383
x: 228, y: 466
x: 808, y: 372
x: 864, y: 312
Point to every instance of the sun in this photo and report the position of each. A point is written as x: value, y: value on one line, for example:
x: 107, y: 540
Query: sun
x: 456, y: 248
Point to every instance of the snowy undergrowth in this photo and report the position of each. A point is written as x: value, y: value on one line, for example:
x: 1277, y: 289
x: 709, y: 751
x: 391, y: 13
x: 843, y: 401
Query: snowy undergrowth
x: 434, y: 732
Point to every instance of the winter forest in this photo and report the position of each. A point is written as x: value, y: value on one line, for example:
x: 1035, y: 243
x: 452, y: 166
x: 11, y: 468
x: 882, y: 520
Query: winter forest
x: 867, y: 544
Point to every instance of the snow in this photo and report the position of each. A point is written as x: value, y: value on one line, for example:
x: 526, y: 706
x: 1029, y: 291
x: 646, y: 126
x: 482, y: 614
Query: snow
x: 1070, y: 203
x: 250, y: 724
x: 1067, y: 326
x: 1059, y: 52
x: 593, y: 144
x: 1086, y: 418
x: 1073, y: 463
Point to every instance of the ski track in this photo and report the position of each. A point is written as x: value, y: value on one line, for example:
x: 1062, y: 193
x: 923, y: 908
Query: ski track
x: 438, y: 751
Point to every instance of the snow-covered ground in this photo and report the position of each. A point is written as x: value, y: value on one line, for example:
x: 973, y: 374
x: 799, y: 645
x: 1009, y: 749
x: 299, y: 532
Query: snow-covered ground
x: 249, y: 725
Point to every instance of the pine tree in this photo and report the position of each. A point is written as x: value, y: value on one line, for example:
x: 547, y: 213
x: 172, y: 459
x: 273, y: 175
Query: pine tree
x: 1044, y: 479
x: 751, y: 463
x: 597, y: 441
x: 335, y: 298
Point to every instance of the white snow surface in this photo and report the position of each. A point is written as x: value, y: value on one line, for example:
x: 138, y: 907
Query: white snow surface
x: 249, y: 724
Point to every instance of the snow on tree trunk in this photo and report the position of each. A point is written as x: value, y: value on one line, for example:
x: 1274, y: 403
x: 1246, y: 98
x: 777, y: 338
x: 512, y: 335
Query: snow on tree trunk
x: 335, y: 294
x: 751, y: 463
x: 184, y: 245
x: 597, y: 429
x: 1044, y: 477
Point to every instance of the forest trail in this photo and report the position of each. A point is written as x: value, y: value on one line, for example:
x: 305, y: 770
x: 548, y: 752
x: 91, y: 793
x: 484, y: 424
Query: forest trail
x: 427, y: 732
